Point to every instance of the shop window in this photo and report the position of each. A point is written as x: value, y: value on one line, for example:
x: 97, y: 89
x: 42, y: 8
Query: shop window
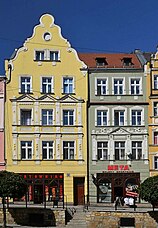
x: 104, y: 191
x: 25, y: 117
x: 47, y: 150
x: 26, y: 149
x: 68, y: 150
x: 102, y: 150
x: 119, y: 150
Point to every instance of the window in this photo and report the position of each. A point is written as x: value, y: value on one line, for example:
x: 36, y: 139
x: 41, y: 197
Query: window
x: 155, y: 138
x: 46, y: 55
x: 47, y: 83
x: 68, y: 85
x: 119, y: 150
x: 155, y: 108
x: 102, y: 150
x: 155, y: 81
x: 25, y: 84
x: 68, y: 117
x: 101, y: 86
x: 127, y: 61
x: 118, y: 86
x: 68, y: 150
x: 156, y: 162
x: 101, y: 118
x: 137, y: 150
x: 136, y: 117
x: 47, y: 149
x: 54, y: 55
x: 26, y: 149
x: 135, y: 86
x: 119, y: 118
x: 47, y: 117
x: 100, y: 62
x: 40, y: 55
x: 25, y: 117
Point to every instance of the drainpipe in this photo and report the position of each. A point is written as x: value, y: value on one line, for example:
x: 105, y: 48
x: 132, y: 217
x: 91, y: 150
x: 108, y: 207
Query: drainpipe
x: 10, y: 70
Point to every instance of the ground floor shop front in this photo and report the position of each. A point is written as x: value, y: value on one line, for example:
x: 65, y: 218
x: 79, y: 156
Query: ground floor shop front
x: 54, y: 187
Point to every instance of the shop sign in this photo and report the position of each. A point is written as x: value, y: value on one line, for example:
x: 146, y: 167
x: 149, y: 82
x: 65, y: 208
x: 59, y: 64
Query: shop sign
x: 118, y: 168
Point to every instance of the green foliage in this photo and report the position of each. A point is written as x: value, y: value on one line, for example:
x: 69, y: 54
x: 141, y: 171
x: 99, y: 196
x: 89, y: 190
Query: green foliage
x: 149, y: 190
x: 11, y: 185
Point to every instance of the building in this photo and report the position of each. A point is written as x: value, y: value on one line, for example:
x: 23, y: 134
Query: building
x: 152, y: 72
x: 2, y: 100
x: 118, y: 124
x: 46, y: 140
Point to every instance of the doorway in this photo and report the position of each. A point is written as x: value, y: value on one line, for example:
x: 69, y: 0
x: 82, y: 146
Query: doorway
x: 79, y: 190
x: 38, y: 193
x: 118, y: 191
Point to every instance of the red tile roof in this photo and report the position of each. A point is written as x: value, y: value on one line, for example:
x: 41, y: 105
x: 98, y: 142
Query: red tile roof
x: 113, y: 60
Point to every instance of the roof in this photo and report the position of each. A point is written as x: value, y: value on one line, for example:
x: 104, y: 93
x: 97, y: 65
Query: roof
x: 114, y: 60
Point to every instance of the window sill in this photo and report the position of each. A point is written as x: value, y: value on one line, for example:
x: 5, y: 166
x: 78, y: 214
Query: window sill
x: 26, y: 93
x: 46, y: 60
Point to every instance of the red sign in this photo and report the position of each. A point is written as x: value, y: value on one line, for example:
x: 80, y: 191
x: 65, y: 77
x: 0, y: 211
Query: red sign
x: 132, y: 194
x: 118, y: 167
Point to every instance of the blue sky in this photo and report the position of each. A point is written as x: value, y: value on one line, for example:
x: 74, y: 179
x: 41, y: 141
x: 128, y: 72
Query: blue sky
x: 89, y: 25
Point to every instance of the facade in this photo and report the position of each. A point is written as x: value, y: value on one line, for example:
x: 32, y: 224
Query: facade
x: 2, y: 99
x: 118, y: 125
x: 46, y: 129
x: 152, y: 71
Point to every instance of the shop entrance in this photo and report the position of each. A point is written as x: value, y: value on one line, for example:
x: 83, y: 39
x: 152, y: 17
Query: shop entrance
x: 38, y: 193
x: 118, y: 191
x: 78, y: 190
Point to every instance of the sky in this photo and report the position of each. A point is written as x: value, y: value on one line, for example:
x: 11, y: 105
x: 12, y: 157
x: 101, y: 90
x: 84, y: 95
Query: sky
x: 107, y: 26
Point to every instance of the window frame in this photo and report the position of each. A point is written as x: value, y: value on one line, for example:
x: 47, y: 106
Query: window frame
x: 119, y: 155
x: 155, y: 82
x: 48, y: 147
x: 26, y: 91
x: 135, y: 86
x: 47, y: 84
x: 69, y: 116
x: 102, y: 151
x: 155, y: 138
x: 120, y: 116
x: 118, y: 86
x: 102, y: 87
x: 47, y: 117
x: 137, y: 148
x: 46, y: 55
x: 68, y: 147
x: 70, y: 91
x: 155, y: 108
x: 26, y: 147
x: 155, y: 162
x: 23, y: 123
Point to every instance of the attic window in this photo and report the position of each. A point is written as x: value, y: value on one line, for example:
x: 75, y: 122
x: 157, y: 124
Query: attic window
x: 127, y: 61
x: 100, y: 62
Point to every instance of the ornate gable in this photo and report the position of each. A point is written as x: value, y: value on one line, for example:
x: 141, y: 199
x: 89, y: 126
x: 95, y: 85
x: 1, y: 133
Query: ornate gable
x: 70, y: 99
x: 23, y: 98
x: 47, y: 98
x: 120, y: 131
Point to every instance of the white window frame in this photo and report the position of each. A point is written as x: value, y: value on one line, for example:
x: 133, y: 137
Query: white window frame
x: 73, y: 84
x: 68, y: 117
x: 135, y: 85
x: 69, y: 148
x: 155, y: 132
x: 155, y: 108
x: 52, y: 84
x: 137, y: 108
x: 103, y: 109
x: 137, y: 148
x: 102, y: 85
x: 120, y: 116
x: 119, y: 148
x: 48, y: 148
x: 46, y: 55
x: 119, y: 85
x: 54, y: 51
x: 48, y: 116
x: 155, y: 161
x: 25, y: 110
x: 119, y: 108
x: 20, y: 84
x: 26, y: 147
x: 155, y: 82
x: 103, y: 150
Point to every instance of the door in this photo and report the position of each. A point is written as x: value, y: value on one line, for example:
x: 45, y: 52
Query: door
x: 79, y: 190
x: 38, y: 193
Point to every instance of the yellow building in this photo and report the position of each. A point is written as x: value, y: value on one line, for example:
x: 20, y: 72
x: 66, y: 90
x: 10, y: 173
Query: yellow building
x: 152, y: 71
x: 45, y: 117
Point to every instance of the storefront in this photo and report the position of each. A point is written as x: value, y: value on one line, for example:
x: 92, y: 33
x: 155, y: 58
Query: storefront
x: 44, y: 187
x: 116, y: 181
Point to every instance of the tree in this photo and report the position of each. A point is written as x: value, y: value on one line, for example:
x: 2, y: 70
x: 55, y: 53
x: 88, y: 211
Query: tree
x: 149, y: 190
x: 11, y: 185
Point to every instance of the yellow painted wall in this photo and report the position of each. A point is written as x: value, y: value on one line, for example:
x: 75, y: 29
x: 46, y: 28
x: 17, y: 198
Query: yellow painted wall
x: 23, y: 64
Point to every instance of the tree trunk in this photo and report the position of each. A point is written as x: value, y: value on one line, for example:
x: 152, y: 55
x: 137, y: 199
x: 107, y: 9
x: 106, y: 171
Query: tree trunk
x: 4, y: 213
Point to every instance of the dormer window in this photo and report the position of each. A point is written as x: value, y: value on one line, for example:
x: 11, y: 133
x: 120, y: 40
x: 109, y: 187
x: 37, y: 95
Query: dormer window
x: 127, y: 61
x: 101, y: 62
